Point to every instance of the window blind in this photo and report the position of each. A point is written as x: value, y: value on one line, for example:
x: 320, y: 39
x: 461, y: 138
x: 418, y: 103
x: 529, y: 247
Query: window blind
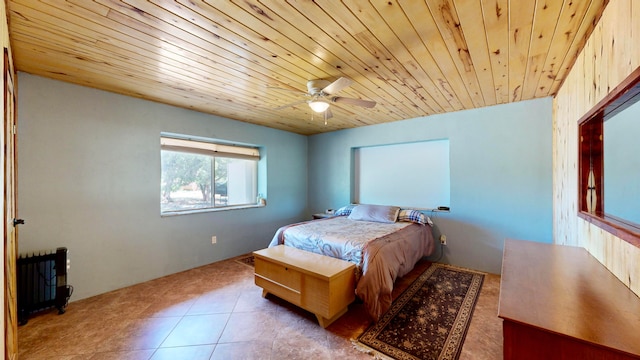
x: 212, y: 149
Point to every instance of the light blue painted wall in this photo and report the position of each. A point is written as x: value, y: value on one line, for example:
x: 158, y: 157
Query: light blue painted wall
x: 89, y: 179
x: 501, y: 175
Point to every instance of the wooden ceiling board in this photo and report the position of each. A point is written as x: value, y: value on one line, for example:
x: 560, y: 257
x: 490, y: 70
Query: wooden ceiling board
x: 477, y: 46
x: 398, y: 62
x: 545, y: 22
x: 421, y: 19
x: 226, y: 58
x: 520, y: 24
x: 319, y: 44
x: 361, y: 49
x: 423, y: 75
x: 325, y: 66
x: 445, y: 15
x: 103, y: 53
x: 213, y: 48
x: 581, y: 26
x: 374, y: 60
x: 496, y: 22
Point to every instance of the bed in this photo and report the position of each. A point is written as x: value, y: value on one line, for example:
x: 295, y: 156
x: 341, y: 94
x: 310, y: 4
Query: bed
x: 383, y: 242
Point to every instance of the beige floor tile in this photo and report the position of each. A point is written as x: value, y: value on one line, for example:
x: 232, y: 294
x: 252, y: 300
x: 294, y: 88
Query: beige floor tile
x: 201, y: 352
x: 197, y: 330
x: 250, y: 350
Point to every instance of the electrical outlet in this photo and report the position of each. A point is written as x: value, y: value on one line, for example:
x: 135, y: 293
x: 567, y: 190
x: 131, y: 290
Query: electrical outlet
x: 214, y: 239
x: 443, y: 239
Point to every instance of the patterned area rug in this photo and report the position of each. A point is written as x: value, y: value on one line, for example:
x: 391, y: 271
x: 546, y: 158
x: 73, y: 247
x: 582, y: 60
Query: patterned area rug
x: 429, y: 320
x: 246, y: 260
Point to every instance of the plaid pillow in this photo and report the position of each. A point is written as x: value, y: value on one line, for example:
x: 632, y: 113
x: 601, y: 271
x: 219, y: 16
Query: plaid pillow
x: 345, y: 210
x: 414, y: 216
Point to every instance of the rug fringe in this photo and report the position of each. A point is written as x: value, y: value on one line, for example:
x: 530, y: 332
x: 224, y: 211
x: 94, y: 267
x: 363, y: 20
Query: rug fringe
x: 367, y: 350
x: 455, y: 267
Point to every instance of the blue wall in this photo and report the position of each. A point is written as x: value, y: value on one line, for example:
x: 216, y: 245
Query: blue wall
x: 89, y: 179
x: 501, y: 175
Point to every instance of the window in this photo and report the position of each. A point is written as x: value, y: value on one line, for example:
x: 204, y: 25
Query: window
x: 205, y: 175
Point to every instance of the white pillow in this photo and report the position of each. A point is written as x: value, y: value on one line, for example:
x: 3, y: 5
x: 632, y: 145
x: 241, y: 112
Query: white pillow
x: 376, y: 213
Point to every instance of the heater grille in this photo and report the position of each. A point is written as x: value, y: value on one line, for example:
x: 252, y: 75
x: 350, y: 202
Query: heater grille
x: 42, y: 283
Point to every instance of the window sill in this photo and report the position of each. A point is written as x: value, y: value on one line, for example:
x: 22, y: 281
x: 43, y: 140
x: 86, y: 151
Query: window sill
x: 198, y: 211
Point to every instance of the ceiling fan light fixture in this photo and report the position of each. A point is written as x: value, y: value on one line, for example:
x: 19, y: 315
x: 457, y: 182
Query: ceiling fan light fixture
x: 318, y: 105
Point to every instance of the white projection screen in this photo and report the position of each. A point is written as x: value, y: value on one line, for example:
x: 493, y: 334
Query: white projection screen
x: 410, y: 175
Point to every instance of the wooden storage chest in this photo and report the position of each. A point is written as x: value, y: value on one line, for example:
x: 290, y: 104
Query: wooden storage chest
x: 320, y: 284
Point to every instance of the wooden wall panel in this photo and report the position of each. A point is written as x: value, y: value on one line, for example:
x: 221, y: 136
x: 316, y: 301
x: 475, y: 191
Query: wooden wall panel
x: 609, y: 56
x: 635, y: 31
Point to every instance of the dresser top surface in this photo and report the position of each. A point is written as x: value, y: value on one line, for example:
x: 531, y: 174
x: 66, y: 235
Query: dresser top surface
x: 565, y: 290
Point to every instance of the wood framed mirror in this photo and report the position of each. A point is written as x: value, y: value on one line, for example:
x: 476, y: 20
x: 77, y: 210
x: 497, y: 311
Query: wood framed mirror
x: 609, y: 162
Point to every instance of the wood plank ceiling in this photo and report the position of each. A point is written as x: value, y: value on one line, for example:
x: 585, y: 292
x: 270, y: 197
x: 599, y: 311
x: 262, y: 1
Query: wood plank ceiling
x: 414, y: 58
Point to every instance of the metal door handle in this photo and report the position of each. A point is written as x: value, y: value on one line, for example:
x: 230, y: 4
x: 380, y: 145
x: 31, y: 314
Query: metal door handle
x: 17, y: 222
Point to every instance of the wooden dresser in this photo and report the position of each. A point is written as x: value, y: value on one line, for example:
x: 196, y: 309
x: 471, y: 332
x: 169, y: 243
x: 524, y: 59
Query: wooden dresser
x: 320, y: 284
x: 559, y: 302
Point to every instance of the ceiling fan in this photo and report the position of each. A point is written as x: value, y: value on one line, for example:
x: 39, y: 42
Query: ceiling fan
x: 321, y: 93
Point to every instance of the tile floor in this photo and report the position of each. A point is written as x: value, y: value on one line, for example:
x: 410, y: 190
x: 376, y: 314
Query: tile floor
x: 216, y: 312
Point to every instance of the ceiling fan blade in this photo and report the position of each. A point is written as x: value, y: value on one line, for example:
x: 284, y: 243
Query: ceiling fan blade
x: 357, y: 102
x: 337, y: 85
x: 290, y: 104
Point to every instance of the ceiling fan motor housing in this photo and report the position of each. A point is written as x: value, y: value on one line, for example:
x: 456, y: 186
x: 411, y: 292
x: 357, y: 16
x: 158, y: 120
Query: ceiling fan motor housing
x: 315, y: 86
